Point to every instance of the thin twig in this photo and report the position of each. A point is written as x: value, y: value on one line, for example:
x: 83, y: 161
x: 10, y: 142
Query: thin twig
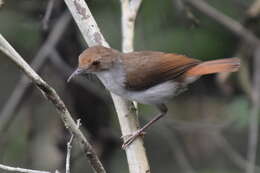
x: 69, y: 147
x: 47, y: 15
x: 51, y: 95
x: 232, y: 154
x: 135, y: 152
x: 7, y: 113
x: 13, y: 169
x: 215, y: 130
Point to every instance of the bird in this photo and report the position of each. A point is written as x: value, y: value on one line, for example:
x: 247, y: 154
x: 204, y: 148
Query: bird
x: 147, y: 77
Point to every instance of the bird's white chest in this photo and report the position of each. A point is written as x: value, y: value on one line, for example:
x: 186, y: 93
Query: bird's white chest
x: 113, y: 79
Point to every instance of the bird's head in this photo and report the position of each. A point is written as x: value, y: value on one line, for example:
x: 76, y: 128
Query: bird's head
x: 95, y: 59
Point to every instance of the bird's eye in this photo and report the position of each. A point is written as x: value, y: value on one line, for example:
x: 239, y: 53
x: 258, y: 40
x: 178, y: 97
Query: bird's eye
x: 96, y: 62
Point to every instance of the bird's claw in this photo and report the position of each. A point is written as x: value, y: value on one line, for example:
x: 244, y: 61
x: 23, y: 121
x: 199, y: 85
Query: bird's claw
x: 132, y: 137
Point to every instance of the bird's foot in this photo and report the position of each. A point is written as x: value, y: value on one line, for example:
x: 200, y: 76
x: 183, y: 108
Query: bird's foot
x: 132, y: 137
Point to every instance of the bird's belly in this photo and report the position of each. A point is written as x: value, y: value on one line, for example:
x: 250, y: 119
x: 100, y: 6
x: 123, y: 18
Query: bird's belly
x: 157, y: 94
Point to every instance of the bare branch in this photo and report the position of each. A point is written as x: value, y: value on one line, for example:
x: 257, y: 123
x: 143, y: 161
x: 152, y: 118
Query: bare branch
x: 137, y: 159
x: 7, y: 113
x: 232, y: 154
x: 47, y: 15
x: 86, y: 22
x: 53, y: 97
x: 226, y: 21
x: 66, y: 71
x: 135, y: 152
x: 129, y: 13
x: 134, y: 6
x: 12, y: 169
x: 69, y: 147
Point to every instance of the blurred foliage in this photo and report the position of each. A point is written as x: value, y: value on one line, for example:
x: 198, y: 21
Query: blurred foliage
x: 239, y: 108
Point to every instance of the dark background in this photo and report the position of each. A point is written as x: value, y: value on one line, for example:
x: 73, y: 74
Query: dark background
x: 207, y: 127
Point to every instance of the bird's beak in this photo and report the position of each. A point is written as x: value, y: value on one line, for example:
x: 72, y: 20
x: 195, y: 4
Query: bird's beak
x: 75, y: 73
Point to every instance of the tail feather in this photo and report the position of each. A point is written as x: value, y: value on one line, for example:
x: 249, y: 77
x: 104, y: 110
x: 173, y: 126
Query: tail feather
x: 214, y: 66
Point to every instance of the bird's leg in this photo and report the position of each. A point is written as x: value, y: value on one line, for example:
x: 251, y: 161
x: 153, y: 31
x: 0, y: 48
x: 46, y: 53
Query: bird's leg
x: 140, y: 132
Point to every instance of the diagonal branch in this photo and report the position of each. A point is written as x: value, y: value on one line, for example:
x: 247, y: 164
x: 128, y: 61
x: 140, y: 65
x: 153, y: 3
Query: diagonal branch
x: 231, y: 24
x: 66, y: 71
x: 51, y: 95
x: 12, y: 169
x: 47, y: 15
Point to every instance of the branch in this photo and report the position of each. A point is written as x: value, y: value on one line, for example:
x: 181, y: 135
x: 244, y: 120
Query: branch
x: 234, y: 26
x: 137, y: 159
x: 12, y: 169
x: 136, y: 156
x: 129, y: 13
x: 51, y: 95
x: 7, y: 113
x: 233, y: 155
x: 69, y: 147
x: 47, y: 15
x: 66, y: 71
x: 86, y: 22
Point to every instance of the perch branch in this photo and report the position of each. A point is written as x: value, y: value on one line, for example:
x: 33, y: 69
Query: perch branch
x: 129, y: 124
x: 136, y: 155
x: 53, y: 97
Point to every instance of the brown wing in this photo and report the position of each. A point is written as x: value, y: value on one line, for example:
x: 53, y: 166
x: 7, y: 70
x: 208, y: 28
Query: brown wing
x: 155, y: 67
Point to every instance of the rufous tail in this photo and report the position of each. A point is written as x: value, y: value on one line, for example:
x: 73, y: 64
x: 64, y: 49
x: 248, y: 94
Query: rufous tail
x: 214, y: 66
